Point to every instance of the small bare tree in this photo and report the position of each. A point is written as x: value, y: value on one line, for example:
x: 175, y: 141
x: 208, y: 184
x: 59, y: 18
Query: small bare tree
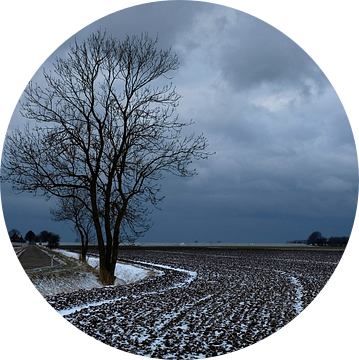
x: 104, y: 133
x: 72, y: 210
x: 133, y: 225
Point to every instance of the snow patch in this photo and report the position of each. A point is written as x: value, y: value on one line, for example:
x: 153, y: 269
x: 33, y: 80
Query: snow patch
x: 299, y: 290
x: 125, y: 273
x: 80, y: 279
x: 136, y: 273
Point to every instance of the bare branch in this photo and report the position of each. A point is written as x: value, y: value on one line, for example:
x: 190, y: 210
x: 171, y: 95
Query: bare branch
x: 104, y: 132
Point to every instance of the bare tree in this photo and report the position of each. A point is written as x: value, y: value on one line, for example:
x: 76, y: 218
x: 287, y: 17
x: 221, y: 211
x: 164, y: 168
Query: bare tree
x: 72, y: 210
x: 104, y: 128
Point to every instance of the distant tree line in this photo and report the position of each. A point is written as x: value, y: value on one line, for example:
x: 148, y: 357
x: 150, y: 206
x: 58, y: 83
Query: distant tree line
x: 50, y: 238
x: 317, y: 239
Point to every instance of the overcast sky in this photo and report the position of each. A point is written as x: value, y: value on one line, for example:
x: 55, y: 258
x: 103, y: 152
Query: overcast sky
x: 285, y: 162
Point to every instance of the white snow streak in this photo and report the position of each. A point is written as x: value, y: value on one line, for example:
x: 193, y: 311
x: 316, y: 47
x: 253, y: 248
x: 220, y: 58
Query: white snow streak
x: 125, y: 273
x: 121, y: 270
x: 299, y: 290
x: 192, y: 276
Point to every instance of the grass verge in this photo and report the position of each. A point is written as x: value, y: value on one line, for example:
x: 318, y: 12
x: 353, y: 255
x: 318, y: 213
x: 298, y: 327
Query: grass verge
x: 70, y: 275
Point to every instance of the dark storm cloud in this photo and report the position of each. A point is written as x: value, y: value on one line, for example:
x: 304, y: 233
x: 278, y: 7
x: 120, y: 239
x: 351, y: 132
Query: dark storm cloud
x: 164, y: 19
x: 285, y: 162
x: 263, y: 55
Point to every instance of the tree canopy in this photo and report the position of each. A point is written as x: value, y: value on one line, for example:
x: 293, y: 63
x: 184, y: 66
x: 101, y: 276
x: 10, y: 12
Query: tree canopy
x: 30, y: 236
x: 104, y: 133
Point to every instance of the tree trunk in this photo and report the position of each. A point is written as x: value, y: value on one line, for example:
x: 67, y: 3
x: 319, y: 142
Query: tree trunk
x: 107, y: 276
x: 84, y: 248
x: 108, y: 263
x: 108, y: 260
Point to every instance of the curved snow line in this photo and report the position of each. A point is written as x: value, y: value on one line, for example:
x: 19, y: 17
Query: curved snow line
x: 299, y: 287
x: 85, y: 306
x: 299, y: 303
x: 299, y: 291
x: 192, y: 274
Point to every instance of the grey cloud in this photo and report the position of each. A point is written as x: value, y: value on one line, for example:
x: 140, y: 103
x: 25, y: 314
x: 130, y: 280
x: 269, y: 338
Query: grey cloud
x: 264, y: 55
x: 164, y: 18
x: 285, y: 162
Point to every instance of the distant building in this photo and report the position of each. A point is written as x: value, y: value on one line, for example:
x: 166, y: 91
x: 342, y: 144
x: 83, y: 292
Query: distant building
x: 16, y: 239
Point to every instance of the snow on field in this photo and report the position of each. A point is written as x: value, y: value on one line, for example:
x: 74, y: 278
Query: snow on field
x: 94, y: 262
x: 206, y: 302
x: 55, y: 284
x: 125, y: 273
x: 58, y: 281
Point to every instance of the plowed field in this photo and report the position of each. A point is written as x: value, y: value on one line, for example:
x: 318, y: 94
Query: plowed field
x: 200, y: 302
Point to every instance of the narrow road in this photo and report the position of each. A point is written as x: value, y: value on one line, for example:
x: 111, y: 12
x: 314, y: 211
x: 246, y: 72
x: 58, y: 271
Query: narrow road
x: 33, y: 258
